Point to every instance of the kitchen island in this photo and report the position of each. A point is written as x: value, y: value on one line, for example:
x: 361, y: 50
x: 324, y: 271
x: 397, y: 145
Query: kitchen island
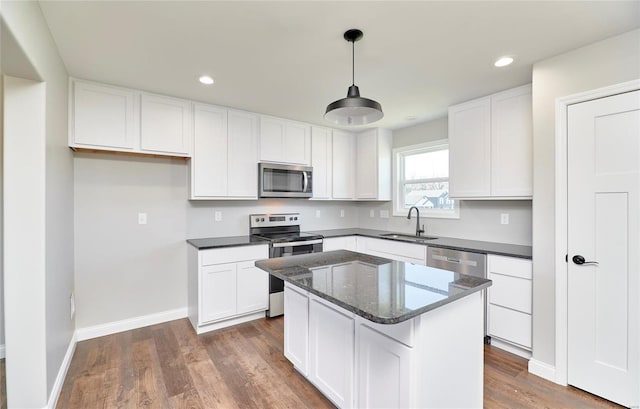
x: 372, y: 332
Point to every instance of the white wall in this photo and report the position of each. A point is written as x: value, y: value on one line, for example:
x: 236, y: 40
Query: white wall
x: 607, y: 62
x: 25, y: 21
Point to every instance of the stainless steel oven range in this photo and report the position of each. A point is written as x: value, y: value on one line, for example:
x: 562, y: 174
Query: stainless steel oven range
x: 285, y: 239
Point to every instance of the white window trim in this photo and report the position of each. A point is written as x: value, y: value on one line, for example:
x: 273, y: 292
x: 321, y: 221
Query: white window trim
x: 399, y: 211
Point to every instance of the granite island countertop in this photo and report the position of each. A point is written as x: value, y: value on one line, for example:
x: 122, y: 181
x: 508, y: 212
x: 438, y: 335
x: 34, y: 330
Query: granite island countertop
x: 378, y: 289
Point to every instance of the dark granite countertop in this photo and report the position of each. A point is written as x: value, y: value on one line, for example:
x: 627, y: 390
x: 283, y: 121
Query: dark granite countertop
x: 504, y: 249
x: 219, y: 242
x: 378, y: 289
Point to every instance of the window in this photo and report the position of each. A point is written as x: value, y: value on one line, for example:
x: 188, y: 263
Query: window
x: 421, y: 179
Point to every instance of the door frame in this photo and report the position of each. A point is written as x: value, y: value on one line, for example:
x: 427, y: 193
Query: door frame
x: 561, y: 216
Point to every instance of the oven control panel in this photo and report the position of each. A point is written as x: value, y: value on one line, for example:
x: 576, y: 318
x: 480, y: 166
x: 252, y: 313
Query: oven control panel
x: 275, y: 220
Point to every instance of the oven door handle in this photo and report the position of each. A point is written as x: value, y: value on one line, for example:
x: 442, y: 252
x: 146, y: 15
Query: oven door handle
x: 296, y: 243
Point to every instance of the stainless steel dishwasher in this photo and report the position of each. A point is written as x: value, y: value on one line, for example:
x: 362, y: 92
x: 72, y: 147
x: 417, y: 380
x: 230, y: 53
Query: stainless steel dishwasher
x: 464, y: 262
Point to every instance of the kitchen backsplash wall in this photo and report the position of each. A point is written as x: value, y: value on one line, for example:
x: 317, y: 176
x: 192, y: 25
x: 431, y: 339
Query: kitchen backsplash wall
x: 479, y: 220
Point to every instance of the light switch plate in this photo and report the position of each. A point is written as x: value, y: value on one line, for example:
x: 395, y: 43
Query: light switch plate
x: 372, y: 213
x: 384, y: 214
x: 504, y: 218
x: 217, y: 216
x: 341, y: 212
x: 318, y: 213
x: 142, y: 218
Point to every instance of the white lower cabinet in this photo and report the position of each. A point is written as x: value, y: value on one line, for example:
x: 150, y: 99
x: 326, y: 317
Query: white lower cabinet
x: 296, y: 327
x: 225, y: 288
x: 339, y: 243
x: 384, y: 368
x: 509, y: 309
x: 394, y: 250
x: 331, y: 340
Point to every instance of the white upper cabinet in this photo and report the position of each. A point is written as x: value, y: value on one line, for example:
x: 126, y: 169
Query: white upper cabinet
x: 373, y: 164
x: 284, y: 141
x: 321, y: 154
x: 344, y: 165
x: 224, y: 162
x: 165, y: 125
x: 102, y: 116
x: 490, y: 146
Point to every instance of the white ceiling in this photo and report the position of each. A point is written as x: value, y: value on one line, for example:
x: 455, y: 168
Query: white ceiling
x: 289, y: 59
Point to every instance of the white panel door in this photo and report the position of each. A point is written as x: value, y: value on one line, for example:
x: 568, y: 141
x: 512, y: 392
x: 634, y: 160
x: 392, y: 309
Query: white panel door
x: 296, y: 329
x: 367, y: 165
x: 384, y: 371
x: 243, y: 155
x: 102, y: 116
x: 331, y: 338
x: 209, y: 161
x: 321, y: 147
x: 165, y: 124
x: 470, y: 149
x: 603, y: 226
x: 218, y: 292
x: 344, y: 170
x: 252, y: 287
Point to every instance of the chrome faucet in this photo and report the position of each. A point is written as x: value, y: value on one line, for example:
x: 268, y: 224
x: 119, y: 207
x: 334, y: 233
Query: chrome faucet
x: 418, y: 229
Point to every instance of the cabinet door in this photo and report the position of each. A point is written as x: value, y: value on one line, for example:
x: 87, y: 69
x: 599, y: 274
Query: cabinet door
x: 252, y: 287
x: 165, y: 125
x: 470, y: 149
x: 343, y: 174
x: 321, y: 147
x: 209, y: 160
x: 367, y: 165
x: 272, y: 131
x: 102, y: 116
x: 297, y: 143
x: 243, y: 155
x: 296, y: 328
x: 511, y: 143
x: 218, y: 292
x: 331, y: 340
x: 384, y: 371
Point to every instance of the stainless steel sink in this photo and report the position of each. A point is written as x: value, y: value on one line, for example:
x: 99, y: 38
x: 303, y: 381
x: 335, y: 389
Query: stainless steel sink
x: 407, y: 237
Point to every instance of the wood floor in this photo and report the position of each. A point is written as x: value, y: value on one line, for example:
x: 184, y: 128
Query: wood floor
x: 169, y: 366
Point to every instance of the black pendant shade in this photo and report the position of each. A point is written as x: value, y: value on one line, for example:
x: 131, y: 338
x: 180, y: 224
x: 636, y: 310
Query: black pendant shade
x: 354, y: 109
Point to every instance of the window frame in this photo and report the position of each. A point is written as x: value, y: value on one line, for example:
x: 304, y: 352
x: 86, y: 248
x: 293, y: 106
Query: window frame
x: 399, y: 152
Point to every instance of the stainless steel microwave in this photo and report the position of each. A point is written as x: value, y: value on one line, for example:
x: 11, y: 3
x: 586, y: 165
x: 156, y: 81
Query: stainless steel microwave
x: 279, y: 180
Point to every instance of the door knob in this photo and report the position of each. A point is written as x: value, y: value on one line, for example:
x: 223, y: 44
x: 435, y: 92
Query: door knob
x: 579, y: 260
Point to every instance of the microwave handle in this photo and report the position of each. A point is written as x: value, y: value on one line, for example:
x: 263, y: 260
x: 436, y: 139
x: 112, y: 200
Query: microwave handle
x: 305, y: 179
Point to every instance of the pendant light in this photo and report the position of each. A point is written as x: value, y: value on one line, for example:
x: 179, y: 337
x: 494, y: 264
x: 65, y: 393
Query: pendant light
x: 353, y: 110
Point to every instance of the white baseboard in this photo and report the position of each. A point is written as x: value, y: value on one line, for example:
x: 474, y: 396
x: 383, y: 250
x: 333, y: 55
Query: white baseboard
x: 3, y: 351
x: 62, y: 373
x: 542, y: 370
x: 129, y: 324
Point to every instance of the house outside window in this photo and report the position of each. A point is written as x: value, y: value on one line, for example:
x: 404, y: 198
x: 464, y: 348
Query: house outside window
x: 421, y: 179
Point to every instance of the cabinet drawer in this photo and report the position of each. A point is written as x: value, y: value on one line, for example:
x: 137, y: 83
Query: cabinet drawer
x: 412, y: 253
x: 509, y: 325
x: 340, y: 243
x: 510, y: 292
x: 516, y: 267
x: 234, y: 254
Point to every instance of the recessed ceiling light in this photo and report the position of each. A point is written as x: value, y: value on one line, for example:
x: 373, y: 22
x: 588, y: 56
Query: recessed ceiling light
x: 503, y: 61
x: 411, y: 118
x: 205, y: 79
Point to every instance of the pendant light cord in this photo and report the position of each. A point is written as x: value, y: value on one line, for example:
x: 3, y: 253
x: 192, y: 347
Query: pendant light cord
x: 353, y: 63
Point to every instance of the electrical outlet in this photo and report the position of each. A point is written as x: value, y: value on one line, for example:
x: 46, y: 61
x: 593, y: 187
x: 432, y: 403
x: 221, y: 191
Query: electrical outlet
x: 372, y: 213
x: 217, y: 216
x: 341, y: 212
x: 384, y: 214
x: 142, y: 218
x: 318, y: 213
x: 72, y: 305
x: 504, y: 218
